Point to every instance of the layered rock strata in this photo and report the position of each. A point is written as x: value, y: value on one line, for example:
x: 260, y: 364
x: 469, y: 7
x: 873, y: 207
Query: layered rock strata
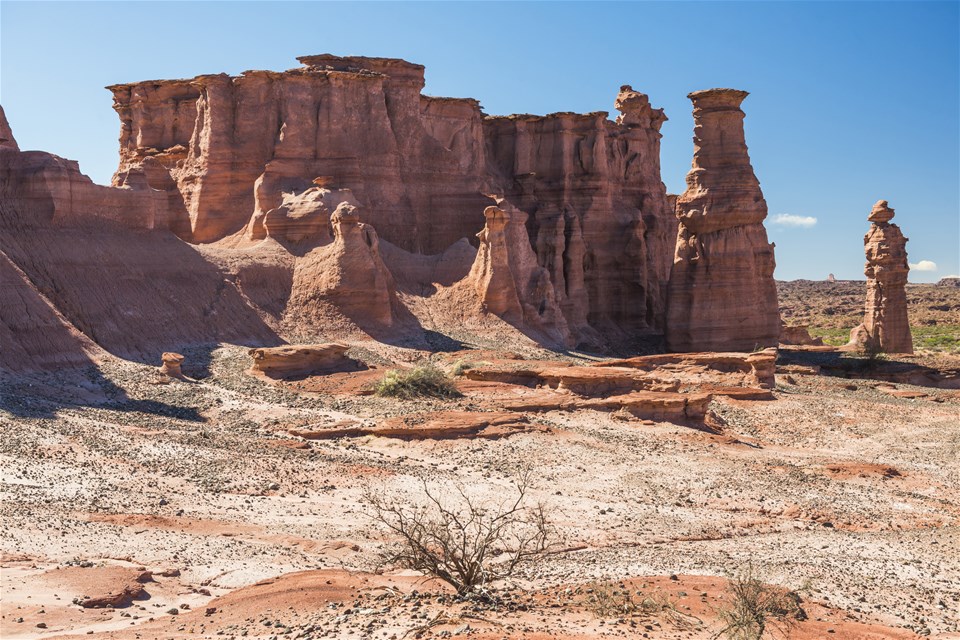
x: 225, y: 151
x: 92, y: 268
x: 886, y: 326
x: 722, y: 295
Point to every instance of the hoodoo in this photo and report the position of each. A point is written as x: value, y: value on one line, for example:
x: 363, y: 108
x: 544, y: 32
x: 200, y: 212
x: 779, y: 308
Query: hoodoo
x: 722, y: 295
x: 508, y: 279
x: 885, y: 324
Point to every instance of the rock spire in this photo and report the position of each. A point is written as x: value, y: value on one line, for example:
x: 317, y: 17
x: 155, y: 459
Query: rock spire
x: 721, y: 296
x: 885, y: 324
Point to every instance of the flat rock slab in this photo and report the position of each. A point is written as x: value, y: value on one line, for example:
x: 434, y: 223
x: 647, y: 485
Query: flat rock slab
x: 439, y: 425
x: 650, y: 405
x: 102, y: 586
x: 292, y: 361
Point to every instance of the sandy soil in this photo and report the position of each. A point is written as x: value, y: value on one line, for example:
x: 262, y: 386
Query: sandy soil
x: 196, y: 499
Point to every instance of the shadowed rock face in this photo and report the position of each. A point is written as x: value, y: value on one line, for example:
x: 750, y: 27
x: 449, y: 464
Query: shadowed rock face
x: 722, y: 295
x: 600, y: 220
x: 885, y: 323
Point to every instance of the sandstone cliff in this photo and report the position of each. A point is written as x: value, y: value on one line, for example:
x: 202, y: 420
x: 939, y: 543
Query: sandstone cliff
x: 722, y: 295
x: 273, y: 206
x: 226, y: 149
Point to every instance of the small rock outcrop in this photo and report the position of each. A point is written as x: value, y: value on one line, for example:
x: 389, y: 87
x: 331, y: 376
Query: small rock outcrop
x: 298, y: 217
x: 722, y: 295
x: 347, y: 274
x: 798, y: 335
x: 886, y: 326
x: 291, y: 361
x: 171, y: 364
x: 507, y: 278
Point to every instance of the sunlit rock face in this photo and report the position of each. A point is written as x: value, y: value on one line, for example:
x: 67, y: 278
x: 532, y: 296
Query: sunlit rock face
x: 722, y: 295
x: 336, y: 198
x: 226, y: 150
x: 886, y: 326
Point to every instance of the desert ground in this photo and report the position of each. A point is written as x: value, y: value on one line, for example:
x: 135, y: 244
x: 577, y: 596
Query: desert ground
x: 232, y: 505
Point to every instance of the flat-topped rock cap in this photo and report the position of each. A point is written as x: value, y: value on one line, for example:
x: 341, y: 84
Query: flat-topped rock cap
x: 354, y: 63
x: 881, y: 212
x: 717, y: 98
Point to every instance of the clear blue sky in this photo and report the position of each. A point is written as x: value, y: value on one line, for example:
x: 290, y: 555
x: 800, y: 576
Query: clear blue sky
x: 850, y: 102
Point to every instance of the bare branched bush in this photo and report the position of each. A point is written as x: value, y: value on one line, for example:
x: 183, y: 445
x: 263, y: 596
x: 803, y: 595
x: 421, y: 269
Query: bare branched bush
x: 457, y: 538
x: 758, y: 610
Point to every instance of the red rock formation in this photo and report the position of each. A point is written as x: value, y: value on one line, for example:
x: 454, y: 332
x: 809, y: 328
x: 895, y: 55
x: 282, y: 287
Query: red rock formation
x: 600, y: 222
x: 722, y: 296
x: 34, y: 335
x: 41, y: 188
x: 170, y: 364
x: 357, y: 120
x: 508, y: 279
x: 299, y: 217
x: 301, y: 360
x: 251, y: 167
x: 727, y: 369
x: 798, y: 335
x: 6, y: 135
x: 885, y: 323
x: 347, y: 274
x: 89, y: 267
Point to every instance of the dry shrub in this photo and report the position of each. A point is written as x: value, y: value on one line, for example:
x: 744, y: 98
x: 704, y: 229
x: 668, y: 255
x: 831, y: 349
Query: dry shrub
x: 758, y: 610
x: 422, y: 381
x: 614, y: 600
x: 457, y: 538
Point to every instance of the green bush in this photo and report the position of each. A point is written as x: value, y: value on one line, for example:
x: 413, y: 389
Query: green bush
x: 423, y: 381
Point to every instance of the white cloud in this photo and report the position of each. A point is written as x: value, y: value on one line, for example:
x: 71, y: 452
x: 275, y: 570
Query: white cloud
x: 924, y: 265
x: 790, y: 220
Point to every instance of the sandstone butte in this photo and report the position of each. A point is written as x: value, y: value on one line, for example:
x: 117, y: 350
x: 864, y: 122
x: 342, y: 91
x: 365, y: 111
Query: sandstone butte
x: 335, y: 200
x: 885, y: 324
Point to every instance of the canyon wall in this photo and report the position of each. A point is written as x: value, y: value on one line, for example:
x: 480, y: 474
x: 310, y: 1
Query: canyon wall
x: 225, y: 150
x: 335, y: 200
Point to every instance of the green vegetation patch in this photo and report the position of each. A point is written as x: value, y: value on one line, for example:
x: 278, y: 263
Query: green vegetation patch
x: 942, y: 337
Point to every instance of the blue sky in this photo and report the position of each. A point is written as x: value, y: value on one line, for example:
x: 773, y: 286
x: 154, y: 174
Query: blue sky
x: 850, y: 102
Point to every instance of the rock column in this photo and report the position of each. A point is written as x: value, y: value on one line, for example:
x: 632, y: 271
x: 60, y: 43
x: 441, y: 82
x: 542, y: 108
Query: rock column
x: 885, y: 324
x: 722, y: 295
